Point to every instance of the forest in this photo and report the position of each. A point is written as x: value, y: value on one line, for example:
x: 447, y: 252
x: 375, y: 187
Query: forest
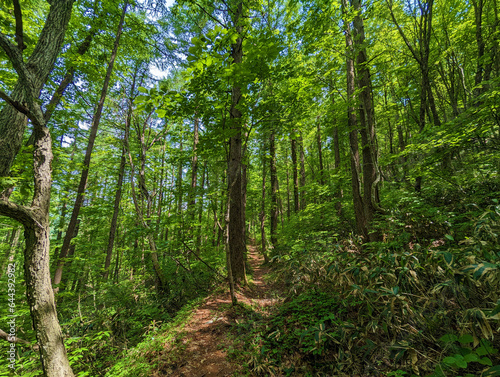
x: 249, y: 188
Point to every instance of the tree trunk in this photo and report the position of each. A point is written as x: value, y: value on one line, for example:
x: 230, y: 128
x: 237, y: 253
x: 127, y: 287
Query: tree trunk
x: 336, y: 152
x: 302, y: 174
x: 262, y: 215
x: 371, y: 176
x: 119, y: 184
x: 194, y: 171
x: 35, y: 220
x: 88, y: 155
x: 296, y: 207
x: 274, y: 189
x: 237, y: 247
x: 320, y: 154
x: 359, y: 213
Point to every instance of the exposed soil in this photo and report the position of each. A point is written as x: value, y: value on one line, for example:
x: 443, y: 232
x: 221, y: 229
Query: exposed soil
x: 206, y: 339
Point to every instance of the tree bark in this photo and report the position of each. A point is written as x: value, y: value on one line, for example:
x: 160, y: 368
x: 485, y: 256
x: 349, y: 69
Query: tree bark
x: 88, y: 155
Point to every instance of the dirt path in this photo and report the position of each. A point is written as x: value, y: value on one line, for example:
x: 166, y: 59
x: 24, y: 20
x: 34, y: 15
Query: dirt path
x: 206, y: 338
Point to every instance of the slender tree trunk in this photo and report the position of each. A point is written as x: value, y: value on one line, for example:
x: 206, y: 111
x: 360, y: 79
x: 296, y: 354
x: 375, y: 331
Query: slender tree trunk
x: 200, y: 210
x: 320, y: 154
x: 194, y: 171
x: 274, y: 189
x: 88, y: 155
x: 302, y: 174
x: 296, y: 207
x: 119, y: 184
x: 262, y: 215
x: 336, y: 152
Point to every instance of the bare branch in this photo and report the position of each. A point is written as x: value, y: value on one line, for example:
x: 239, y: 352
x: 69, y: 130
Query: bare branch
x: 19, y: 25
x: 18, y: 106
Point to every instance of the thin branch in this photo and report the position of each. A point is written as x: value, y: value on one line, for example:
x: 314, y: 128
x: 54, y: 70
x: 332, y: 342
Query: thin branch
x: 16, y: 105
x: 202, y: 261
x: 19, y: 25
x: 212, y: 17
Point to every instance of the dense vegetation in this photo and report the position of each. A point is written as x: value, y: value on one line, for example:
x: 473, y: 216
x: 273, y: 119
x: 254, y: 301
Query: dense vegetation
x: 356, y: 143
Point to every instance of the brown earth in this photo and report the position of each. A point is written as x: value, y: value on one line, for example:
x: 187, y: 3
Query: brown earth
x: 205, y: 337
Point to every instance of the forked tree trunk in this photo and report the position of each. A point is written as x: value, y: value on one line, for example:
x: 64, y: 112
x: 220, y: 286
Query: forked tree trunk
x: 39, y: 65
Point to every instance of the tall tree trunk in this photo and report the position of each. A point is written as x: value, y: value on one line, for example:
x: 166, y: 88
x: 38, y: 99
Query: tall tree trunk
x: 262, y: 215
x: 119, y: 184
x: 371, y: 175
x: 88, y: 155
x: 35, y: 220
x: 274, y: 189
x: 336, y: 152
x: 302, y: 174
x: 296, y: 207
x: 200, y: 209
x: 320, y: 154
x: 194, y: 170
x: 359, y: 213
x: 237, y: 247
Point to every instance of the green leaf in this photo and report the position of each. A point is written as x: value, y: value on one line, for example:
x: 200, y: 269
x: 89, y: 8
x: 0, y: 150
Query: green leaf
x: 471, y: 357
x: 466, y: 338
x: 143, y: 89
x: 485, y: 361
x: 449, y: 237
x: 449, y: 338
x: 449, y: 360
x: 161, y: 113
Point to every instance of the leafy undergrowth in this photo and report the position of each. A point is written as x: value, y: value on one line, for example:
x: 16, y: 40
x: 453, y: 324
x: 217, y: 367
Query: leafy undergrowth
x: 385, y: 310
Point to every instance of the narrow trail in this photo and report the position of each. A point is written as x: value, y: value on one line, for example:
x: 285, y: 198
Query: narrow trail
x: 206, y: 339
